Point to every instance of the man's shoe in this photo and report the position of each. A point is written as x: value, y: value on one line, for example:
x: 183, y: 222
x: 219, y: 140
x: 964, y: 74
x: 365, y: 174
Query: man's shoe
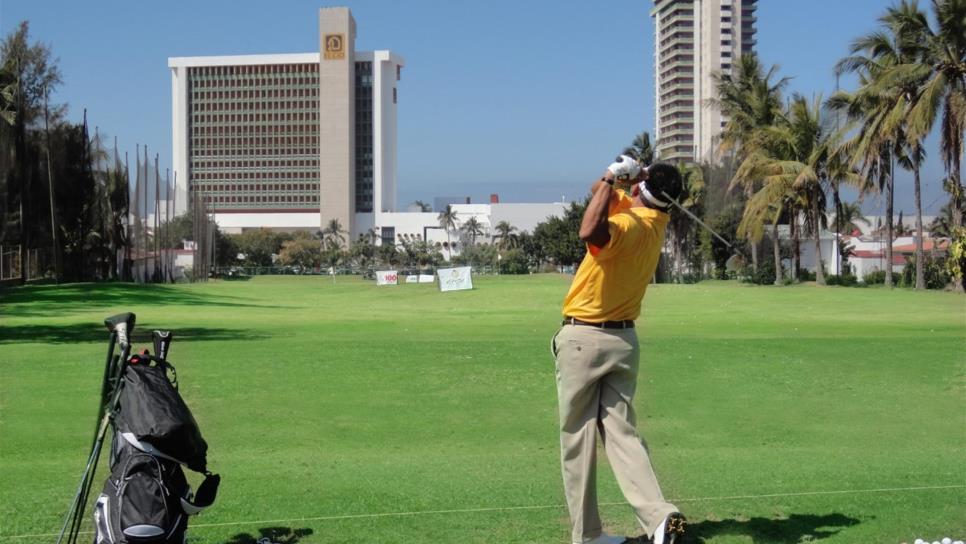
x: 671, y: 530
x: 607, y: 539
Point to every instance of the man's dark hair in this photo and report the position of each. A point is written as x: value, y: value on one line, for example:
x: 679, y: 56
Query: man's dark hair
x: 664, y: 178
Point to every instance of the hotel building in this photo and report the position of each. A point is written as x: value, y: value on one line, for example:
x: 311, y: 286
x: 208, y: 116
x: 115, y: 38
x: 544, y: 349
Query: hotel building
x: 694, y: 39
x: 291, y: 141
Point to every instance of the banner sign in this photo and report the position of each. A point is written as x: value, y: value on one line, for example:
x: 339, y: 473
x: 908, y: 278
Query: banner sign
x: 387, y: 277
x: 426, y: 278
x: 454, y: 279
x: 412, y: 279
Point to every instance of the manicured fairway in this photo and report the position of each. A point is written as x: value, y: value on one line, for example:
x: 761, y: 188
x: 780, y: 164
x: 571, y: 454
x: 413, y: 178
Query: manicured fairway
x: 347, y: 413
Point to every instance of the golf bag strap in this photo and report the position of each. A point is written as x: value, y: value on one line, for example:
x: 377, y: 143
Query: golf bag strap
x: 205, y: 496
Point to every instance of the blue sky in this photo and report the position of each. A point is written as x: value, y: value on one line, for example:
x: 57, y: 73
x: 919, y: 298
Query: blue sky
x: 528, y: 99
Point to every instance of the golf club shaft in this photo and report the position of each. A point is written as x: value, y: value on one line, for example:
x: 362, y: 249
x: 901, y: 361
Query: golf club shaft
x: 75, y: 514
x: 696, y: 218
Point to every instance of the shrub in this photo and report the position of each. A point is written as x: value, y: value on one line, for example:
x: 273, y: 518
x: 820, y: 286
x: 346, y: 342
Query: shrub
x: 845, y: 280
x: 935, y: 273
x: 874, y: 278
x: 514, y: 262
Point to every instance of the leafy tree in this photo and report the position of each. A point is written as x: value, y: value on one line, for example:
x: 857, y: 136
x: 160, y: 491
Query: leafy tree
x: 258, y: 246
x: 302, y: 251
x: 558, y: 237
x: 514, y: 261
x: 363, y: 252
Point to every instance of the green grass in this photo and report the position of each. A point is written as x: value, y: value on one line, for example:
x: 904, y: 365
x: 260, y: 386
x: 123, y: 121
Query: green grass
x: 328, y: 406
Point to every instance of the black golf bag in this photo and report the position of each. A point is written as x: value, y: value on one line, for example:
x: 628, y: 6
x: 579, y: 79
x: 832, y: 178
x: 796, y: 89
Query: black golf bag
x: 147, y: 498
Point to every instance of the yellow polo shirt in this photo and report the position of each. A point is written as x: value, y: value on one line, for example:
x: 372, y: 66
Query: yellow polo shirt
x: 611, y: 280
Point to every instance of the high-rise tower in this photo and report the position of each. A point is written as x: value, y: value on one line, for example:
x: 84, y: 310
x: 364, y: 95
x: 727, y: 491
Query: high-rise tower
x: 694, y: 39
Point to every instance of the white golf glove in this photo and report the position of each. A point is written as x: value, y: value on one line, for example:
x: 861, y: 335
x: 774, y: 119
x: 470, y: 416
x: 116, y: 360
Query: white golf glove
x: 625, y: 168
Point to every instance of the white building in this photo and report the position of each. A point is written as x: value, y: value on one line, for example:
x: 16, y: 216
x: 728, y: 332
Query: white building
x: 693, y: 39
x: 290, y: 141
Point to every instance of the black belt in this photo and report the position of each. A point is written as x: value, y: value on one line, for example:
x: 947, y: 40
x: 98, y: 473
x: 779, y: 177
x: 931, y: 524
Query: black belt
x: 625, y: 324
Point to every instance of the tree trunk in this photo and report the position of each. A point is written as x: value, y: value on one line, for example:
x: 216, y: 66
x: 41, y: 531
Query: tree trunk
x: 796, y: 249
x: 888, y: 248
x: 749, y: 191
x: 838, y: 226
x: 957, y: 209
x: 816, y: 224
x: 777, y: 248
x: 754, y: 254
x: 920, y: 260
x: 678, y: 275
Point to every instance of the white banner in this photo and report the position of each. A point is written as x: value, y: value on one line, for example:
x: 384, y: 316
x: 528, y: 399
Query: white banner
x: 454, y: 279
x: 387, y: 277
x: 412, y: 279
x: 426, y: 278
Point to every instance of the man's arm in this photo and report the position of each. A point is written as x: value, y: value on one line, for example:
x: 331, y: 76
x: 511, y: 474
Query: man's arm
x: 593, y: 226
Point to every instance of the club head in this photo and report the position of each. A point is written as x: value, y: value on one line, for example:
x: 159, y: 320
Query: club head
x: 122, y: 324
x: 162, y: 340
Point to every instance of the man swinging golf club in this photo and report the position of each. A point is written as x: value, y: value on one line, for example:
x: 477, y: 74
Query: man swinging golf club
x: 597, y: 351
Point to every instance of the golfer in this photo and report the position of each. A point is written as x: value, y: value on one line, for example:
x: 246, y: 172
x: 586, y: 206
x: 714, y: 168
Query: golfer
x: 597, y: 352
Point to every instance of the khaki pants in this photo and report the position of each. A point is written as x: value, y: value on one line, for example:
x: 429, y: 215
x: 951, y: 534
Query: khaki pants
x: 596, y: 380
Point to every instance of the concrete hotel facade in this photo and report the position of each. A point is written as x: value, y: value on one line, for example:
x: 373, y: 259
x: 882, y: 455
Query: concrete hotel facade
x: 289, y: 141
x: 693, y: 39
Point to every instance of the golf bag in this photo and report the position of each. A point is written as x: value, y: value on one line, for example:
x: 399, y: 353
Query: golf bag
x: 147, y: 498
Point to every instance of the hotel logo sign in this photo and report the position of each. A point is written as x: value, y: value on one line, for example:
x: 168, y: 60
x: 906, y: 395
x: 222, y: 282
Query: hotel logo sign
x: 334, y: 46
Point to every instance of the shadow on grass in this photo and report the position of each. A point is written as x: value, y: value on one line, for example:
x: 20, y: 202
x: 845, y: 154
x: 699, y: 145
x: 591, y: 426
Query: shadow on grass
x: 789, y: 530
x: 46, y: 300
x: 95, y: 332
x: 271, y: 535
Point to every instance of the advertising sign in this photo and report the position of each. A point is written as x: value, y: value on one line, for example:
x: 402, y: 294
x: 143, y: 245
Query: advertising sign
x: 426, y: 278
x: 412, y: 279
x: 387, y: 277
x: 455, y: 279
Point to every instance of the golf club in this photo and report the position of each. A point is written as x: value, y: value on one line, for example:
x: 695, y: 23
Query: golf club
x: 162, y: 341
x: 697, y: 219
x: 120, y: 327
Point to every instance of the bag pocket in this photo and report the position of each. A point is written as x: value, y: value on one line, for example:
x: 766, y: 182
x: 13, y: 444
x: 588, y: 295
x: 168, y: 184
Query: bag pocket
x: 145, y: 506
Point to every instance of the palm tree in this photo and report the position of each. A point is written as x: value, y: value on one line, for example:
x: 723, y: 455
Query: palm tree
x: 472, y: 228
x: 750, y: 102
x: 447, y: 222
x: 682, y: 230
x: 424, y: 207
x: 890, y: 62
x: 504, y: 231
x: 641, y: 149
x: 878, y: 108
x: 333, y: 233
x: 937, y: 74
x: 850, y: 215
